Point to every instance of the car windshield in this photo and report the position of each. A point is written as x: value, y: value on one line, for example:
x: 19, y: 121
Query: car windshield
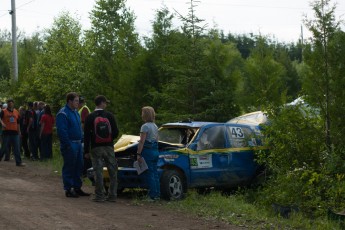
x: 175, y: 135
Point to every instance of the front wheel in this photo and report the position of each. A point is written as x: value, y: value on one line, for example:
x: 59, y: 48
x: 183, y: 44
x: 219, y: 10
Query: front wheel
x: 172, y: 185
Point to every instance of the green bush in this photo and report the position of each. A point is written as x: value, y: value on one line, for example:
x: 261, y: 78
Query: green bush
x: 301, y: 170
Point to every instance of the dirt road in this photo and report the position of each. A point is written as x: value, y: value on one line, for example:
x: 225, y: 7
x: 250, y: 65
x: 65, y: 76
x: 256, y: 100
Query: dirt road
x: 32, y: 198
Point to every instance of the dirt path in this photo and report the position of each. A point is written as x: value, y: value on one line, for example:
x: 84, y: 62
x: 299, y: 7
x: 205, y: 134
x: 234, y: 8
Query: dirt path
x: 32, y: 198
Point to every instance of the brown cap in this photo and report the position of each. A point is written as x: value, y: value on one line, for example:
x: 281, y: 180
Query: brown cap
x: 100, y: 98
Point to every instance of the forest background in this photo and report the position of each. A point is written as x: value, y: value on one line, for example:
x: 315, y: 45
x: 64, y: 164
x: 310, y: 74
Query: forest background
x: 200, y: 73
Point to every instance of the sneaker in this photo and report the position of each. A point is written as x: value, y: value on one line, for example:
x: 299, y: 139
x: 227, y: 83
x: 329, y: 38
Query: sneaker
x: 21, y: 165
x: 81, y: 192
x: 111, y: 199
x: 71, y: 193
x: 98, y: 199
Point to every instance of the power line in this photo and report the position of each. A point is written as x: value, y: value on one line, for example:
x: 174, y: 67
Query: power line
x: 24, y: 4
x: 9, y: 11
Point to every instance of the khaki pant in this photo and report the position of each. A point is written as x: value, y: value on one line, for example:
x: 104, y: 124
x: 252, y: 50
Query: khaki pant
x: 104, y: 156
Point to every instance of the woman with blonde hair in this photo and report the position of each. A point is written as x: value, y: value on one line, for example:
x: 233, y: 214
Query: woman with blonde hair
x: 148, y: 149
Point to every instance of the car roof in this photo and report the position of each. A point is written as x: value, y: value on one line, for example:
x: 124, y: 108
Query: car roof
x: 192, y: 124
x: 198, y: 124
x: 254, y: 118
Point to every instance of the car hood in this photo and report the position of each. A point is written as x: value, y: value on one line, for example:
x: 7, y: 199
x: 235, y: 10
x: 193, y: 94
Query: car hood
x: 125, y: 141
x: 128, y: 144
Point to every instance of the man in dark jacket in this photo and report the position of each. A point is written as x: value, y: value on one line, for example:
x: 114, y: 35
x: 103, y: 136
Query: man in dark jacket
x: 31, y: 130
x: 100, y: 130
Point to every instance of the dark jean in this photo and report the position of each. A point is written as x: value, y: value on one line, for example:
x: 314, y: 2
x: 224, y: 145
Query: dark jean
x: 46, y: 146
x: 24, y: 144
x: 99, y: 155
x: 150, y: 154
x: 72, y: 166
x: 33, y: 144
x: 11, y: 140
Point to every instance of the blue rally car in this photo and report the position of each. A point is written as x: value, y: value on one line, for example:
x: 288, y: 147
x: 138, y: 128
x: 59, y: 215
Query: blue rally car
x: 194, y: 155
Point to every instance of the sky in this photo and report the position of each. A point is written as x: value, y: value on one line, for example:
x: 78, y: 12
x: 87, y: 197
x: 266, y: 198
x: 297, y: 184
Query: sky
x: 278, y: 19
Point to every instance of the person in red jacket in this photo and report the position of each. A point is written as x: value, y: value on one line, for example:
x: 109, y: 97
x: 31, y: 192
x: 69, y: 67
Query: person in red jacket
x: 46, y: 133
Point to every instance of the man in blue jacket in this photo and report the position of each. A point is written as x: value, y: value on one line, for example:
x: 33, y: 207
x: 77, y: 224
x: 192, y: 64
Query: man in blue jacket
x: 69, y: 130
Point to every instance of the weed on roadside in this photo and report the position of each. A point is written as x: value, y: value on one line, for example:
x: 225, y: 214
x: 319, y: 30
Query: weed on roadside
x: 234, y: 209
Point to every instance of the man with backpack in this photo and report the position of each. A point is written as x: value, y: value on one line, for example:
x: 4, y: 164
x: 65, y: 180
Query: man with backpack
x: 100, y: 130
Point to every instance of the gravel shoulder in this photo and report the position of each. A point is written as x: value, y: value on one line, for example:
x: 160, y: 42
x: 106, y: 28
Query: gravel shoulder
x: 32, y: 197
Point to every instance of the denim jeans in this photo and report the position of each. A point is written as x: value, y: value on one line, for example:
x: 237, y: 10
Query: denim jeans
x: 150, y: 154
x: 11, y: 140
x: 24, y: 144
x: 72, y: 166
x: 33, y: 144
x: 104, y: 155
x: 46, y: 146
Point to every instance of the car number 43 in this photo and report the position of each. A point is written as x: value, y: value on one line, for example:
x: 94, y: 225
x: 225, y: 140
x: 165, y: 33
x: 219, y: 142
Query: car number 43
x: 236, y: 132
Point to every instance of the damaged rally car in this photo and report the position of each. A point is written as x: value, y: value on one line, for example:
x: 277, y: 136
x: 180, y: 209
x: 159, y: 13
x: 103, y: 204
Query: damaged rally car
x: 194, y: 155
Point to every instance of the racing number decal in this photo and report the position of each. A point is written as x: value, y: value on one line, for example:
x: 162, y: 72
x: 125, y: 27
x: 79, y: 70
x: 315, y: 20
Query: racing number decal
x: 236, y: 132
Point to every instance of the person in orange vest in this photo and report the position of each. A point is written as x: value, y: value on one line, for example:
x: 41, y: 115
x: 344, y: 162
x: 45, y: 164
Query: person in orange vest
x: 11, y: 131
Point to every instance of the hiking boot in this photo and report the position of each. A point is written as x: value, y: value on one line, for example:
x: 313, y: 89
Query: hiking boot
x: 81, y: 192
x: 111, y: 199
x: 71, y: 193
x: 98, y: 199
x: 21, y: 165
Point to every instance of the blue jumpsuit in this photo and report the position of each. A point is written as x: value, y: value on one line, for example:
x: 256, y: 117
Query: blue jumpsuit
x: 69, y: 131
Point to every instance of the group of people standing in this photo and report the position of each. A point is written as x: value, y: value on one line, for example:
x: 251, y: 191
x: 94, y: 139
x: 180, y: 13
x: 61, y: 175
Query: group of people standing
x: 86, y: 139
x: 29, y: 130
x: 36, y: 126
x: 97, y: 132
x: 83, y: 138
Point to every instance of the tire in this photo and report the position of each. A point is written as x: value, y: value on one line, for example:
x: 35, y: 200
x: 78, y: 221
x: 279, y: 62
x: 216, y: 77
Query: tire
x: 172, y: 185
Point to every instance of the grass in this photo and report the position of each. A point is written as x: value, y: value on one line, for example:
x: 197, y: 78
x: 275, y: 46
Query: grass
x: 235, y: 210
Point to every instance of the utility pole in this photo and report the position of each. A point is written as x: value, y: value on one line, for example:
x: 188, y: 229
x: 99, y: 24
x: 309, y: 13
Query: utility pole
x: 302, y: 43
x: 14, y: 41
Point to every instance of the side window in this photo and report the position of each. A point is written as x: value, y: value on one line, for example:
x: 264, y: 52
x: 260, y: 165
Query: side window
x: 212, y: 138
x: 241, y: 137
